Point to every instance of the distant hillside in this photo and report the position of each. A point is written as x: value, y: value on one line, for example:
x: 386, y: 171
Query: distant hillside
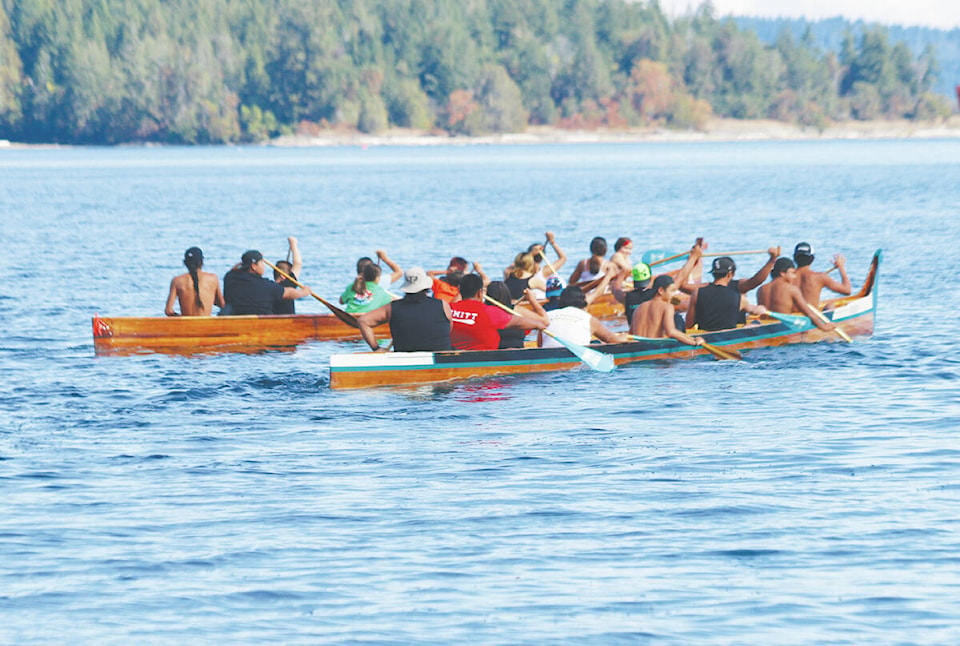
x: 828, y: 34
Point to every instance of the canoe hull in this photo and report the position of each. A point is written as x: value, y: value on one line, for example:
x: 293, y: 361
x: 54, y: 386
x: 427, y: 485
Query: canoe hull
x: 854, y: 315
x: 198, y: 334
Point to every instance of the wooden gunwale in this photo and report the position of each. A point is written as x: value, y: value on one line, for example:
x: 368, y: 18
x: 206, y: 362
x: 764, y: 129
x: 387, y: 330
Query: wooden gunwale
x: 192, y: 334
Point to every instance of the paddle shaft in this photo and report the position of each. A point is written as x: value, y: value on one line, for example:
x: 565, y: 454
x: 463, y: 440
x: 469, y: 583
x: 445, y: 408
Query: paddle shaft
x: 346, y: 317
x: 717, y: 351
x: 840, y: 333
x: 751, y: 252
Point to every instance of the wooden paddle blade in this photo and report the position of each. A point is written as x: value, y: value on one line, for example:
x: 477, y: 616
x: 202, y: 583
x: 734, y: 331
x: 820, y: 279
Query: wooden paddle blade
x: 722, y: 354
x: 344, y: 316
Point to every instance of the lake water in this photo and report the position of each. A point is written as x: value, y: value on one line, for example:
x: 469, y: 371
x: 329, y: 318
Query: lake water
x: 806, y: 494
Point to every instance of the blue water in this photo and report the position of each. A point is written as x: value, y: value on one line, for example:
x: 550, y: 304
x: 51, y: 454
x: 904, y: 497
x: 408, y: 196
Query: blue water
x: 806, y: 494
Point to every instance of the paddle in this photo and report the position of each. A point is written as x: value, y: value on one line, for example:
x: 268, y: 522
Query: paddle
x: 346, y: 317
x: 720, y: 353
x: 840, y: 333
x: 653, y: 263
x: 596, y: 360
x: 792, y: 320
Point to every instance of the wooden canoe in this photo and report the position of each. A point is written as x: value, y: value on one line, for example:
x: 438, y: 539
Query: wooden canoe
x: 853, y: 314
x: 200, y: 334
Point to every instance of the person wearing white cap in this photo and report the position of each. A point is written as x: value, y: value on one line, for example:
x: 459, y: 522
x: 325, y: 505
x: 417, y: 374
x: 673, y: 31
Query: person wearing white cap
x: 812, y: 282
x: 418, y: 321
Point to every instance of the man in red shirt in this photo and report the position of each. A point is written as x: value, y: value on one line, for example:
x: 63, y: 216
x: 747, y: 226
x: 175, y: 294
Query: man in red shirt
x: 476, y: 324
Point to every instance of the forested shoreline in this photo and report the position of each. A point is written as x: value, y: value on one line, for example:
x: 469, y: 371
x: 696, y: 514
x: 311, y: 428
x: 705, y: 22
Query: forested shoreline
x: 221, y: 71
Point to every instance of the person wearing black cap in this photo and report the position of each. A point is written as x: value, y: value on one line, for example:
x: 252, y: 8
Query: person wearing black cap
x: 812, y: 282
x: 418, y: 321
x: 196, y: 291
x: 721, y: 304
x: 248, y: 292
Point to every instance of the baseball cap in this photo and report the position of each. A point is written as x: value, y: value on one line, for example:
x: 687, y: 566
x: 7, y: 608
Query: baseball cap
x: 803, y: 249
x: 723, y: 266
x: 415, y: 280
x: 641, y: 272
x: 250, y: 258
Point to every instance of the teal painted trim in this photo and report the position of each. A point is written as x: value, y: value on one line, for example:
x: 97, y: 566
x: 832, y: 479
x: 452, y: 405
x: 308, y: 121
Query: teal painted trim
x: 457, y: 366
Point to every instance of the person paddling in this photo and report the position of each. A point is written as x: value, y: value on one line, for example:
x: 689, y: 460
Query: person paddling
x: 572, y: 322
x: 476, y: 325
x: 418, y: 321
x: 656, y: 318
x: 246, y: 291
x: 593, y: 267
x: 196, y: 291
x: 292, y: 270
x: 811, y: 282
x: 783, y: 295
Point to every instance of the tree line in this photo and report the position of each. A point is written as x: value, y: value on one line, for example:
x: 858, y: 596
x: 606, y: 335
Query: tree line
x: 217, y: 71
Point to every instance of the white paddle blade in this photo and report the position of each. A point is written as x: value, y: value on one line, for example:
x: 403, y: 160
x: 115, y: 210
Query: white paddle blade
x: 596, y: 360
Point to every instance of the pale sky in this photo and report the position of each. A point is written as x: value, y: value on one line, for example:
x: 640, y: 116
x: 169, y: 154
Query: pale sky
x: 943, y: 14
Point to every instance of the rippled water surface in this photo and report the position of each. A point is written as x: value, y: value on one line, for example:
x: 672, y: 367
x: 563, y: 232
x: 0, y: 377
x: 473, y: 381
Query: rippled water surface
x: 806, y: 494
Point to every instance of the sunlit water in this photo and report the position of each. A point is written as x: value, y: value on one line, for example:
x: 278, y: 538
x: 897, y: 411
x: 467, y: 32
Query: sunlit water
x: 806, y: 494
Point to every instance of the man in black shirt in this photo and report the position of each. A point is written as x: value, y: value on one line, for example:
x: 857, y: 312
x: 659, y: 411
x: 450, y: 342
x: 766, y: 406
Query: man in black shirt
x: 246, y: 291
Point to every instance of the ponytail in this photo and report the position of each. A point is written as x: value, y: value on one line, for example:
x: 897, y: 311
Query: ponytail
x: 193, y: 259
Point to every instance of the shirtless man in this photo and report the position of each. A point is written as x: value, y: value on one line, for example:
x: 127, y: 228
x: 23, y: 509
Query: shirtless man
x: 654, y: 318
x: 197, y: 291
x: 782, y: 295
x: 812, y: 282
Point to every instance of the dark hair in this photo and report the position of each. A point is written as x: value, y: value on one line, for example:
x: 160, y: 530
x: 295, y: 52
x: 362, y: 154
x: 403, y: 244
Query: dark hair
x: 781, y: 266
x: 193, y: 259
x: 498, y: 291
x: 598, y: 247
x: 458, y: 263
x: 283, y: 266
x: 370, y: 273
x: 803, y: 259
x: 363, y: 262
x: 470, y: 285
x: 572, y: 296
x: 621, y: 243
x: 662, y: 282
x: 453, y: 278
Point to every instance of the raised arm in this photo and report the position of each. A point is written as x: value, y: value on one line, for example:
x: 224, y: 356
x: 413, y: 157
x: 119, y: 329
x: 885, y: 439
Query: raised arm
x: 561, y: 256
x: 478, y: 270
x: 297, y: 263
x: 395, y: 271
x: 757, y: 279
x: 609, y: 272
x: 682, y: 276
x: 843, y: 287
x: 536, y: 307
x: 616, y: 286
